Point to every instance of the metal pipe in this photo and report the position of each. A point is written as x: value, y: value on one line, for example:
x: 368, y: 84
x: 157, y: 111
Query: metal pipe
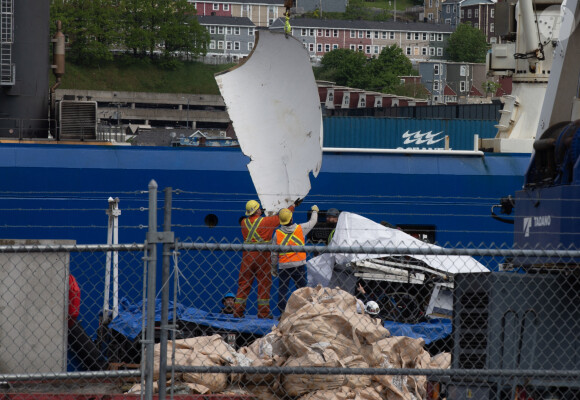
x: 166, y: 257
x: 529, y: 29
x: 152, y: 261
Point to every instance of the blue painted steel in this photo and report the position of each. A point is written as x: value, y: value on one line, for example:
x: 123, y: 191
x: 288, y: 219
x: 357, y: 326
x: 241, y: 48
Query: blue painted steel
x: 395, y: 133
x: 60, y: 192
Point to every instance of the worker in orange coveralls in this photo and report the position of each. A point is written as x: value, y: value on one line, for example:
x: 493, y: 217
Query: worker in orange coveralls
x: 256, y: 264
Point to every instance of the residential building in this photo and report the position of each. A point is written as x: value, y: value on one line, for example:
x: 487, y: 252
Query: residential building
x: 452, y: 82
x: 321, y: 5
x: 231, y: 37
x: 433, y: 11
x: 450, y: 12
x: 261, y: 12
x: 419, y: 41
x: 481, y: 15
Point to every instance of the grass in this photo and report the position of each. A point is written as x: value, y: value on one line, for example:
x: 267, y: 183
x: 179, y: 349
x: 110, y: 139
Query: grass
x: 388, y: 4
x: 189, y: 77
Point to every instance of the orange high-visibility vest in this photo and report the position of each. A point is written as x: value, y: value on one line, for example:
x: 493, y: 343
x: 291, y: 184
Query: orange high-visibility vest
x: 295, y: 238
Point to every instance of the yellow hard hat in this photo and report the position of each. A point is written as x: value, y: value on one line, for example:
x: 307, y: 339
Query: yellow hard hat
x: 251, y: 207
x: 285, y: 216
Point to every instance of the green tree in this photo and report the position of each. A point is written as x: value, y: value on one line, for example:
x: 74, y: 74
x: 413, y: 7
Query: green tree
x: 92, y: 28
x: 343, y: 66
x: 490, y: 87
x: 467, y: 44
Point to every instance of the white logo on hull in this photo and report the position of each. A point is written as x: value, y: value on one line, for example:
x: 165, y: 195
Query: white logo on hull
x: 543, y: 220
x: 421, y: 138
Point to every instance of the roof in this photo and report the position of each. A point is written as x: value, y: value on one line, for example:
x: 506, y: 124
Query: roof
x: 218, y: 20
x: 365, y: 25
x: 253, y: 2
x: 467, y: 3
x: 447, y: 91
x: 475, y: 92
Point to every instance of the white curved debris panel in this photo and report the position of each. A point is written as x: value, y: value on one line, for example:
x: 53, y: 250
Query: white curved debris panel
x: 272, y: 100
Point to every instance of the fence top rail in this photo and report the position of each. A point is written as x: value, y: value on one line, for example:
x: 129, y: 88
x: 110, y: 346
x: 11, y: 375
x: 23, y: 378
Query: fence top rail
x: 427, y: 249
x: 568, y: 374
x: 75, y: 248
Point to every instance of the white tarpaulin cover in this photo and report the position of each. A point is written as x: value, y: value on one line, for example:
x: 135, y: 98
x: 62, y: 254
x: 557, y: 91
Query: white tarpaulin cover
x: 272, y: 100
x: 355, y: 230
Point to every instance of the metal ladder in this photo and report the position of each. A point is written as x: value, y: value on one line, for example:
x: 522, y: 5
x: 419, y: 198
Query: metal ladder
x: 6, y: 40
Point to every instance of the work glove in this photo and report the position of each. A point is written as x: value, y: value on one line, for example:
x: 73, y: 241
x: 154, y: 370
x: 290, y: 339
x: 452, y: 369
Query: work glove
x: 314, y: 208
x: 298, y: 202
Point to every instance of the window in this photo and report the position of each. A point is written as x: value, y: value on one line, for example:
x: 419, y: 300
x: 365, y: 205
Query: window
x: 439, y: 37
x: 319, y: 47
x: 392, y: 35
x: 492, y: 27
x: 334, y: 46
x: 430, y: 3
x: 384, y: 35
x: 476, y: 12
x: 212, y: 44
x: 335, y: 32
x: 360, y: 48
x: 469, y: 13
x: 435, y: 85
x: 215, y: 6
x: 402, y: 81
x: 454, y: 8
x: 220, y: 30
x: 327, y: 33
x: 228, y: 30
x: 447, y: 8
x: 368, y: 50
x: 439, y: 51
x: 228, y: 45
x: 416, y: 51
x: 409, y: 35
x: 430, y: 16
x: 212, y: 29
x: 476, y: 25
x: 236, y: 45
x: 250, y: 46
x: 416, y: 35
x: 424, y: 51
x: 327, y: 47
x: 376, y: 34
x: 361, y: 34
x: 311, y: 47
x: 320, y: 33
x: 363, y: 102
x: 425, y: 36
x: 376, y: 49
x: 304, y: 32
x: 463, y: 70
x: 432, y: 37
x: 491, y: 13
x: 226, y: 7
x: 462, y: 86
x: 493, y: 40
x: 220, y: 45
x: 431, y: 51
x: 369, y: 34
x: 448, y: 21
x: 237, y: 30
x: 251, y: 31
x: 436, y: 69
x: 462, y: 13
x: 245, y: 10
x: 312, y: 32
x: 352, y: 34
x: 353, y: 47
x: 408, y: 51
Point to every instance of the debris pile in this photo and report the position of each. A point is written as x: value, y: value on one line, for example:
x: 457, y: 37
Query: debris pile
x: 319, y: 328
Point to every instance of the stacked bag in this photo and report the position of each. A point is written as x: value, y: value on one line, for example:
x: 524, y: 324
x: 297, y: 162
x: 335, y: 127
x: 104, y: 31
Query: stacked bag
x: 319, y: 328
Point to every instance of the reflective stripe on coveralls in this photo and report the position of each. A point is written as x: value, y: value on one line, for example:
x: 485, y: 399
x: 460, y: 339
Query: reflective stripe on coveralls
x: 253, y: 236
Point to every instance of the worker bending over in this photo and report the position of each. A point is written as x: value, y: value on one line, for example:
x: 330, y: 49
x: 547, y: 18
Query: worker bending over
x: 256, y: 264
x: 291, y: 265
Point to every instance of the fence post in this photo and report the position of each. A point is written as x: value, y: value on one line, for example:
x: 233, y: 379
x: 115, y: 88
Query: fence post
x: 166, y: 261
x: 151, y: 266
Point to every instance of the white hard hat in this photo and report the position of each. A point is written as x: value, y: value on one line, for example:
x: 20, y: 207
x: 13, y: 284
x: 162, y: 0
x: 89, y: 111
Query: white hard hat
x: 372, y: 308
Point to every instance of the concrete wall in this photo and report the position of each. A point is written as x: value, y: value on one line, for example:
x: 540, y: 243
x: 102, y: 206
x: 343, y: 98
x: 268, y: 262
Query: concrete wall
x: 33, y: 309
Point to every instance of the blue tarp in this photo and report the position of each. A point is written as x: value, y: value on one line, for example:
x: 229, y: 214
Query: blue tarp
x: 129, y: 322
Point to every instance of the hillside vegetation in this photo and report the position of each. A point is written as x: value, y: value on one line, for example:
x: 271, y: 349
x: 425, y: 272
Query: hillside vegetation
x: 189, y: 77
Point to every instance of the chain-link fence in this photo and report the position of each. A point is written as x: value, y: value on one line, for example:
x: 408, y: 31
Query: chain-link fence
x: 375, y: 314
